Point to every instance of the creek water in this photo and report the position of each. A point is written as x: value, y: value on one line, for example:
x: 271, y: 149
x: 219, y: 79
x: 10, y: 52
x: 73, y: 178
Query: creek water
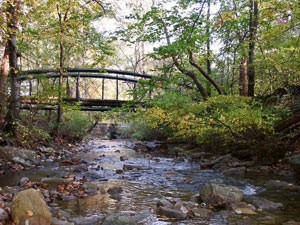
x: 154, y: 177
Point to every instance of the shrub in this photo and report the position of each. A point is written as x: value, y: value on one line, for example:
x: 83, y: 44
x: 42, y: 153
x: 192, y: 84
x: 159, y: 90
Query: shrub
x: 75, y: 124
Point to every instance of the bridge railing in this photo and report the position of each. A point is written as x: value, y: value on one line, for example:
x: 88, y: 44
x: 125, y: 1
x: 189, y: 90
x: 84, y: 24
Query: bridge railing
x: 87, y: 86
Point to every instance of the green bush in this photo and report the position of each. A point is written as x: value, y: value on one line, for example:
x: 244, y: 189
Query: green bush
x: 221, y: 119
x: 75, y: 124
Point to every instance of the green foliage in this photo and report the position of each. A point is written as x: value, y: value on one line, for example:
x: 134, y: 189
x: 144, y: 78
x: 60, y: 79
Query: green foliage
x: 29, y: 136
x: 222, y: 119
x: 75, y: 124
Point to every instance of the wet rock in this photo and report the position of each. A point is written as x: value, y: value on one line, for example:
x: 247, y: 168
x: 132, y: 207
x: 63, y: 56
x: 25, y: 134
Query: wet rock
x: 94, y: 176
x: 263, y: 204
x: 3, y: 215
x: 22, y: 161
x: 29, y: 207
x: 170, y: 213
x: 239, y: 171
x: 220, y: 195
x: 47, y: 150
x: 67, y: 197
x: 80, y: 169
x: 90, y: 187
x: 94, y: 219
x: 165, y: 203
x: 119, y: 171
x: 54, y: 181
x: 115, y: 190
x: 123, y: 158
x: 23, y: 155
x: 23, y: 181
x: 291, y: 223
x: 295, y: 163
x: 217, y: 163
x: 282, y: 185
x: 128, y: 167
x: 56, y: 221
x: 118, y: 219
x: 202, y: 212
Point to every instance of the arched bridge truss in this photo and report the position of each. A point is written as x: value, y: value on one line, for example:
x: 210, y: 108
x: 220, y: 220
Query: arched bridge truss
x: 92, y: 89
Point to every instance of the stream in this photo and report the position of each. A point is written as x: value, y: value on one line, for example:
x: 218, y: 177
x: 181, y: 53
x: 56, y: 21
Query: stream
x: 144, y: 179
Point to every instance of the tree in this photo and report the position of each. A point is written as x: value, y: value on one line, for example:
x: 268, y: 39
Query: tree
x: 184, y: 29
x: 13, y: 13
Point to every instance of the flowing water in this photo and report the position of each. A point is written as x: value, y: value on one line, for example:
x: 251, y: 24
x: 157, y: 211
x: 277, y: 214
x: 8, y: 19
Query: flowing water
x: 154, y: 177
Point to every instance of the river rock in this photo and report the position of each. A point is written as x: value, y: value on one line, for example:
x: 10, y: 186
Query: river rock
x: 54, y: 181
x: 118, y: 219
x: 90, y: 220
x: 202, y: 212
x: 239, y: 171
x: 56, y: 221
x: 90, y: 187
x: 282, y: 185
x: 23, y: 155
x: 170, y: 213
x: 22, y: 161
x: 48, y: 150
x: 165, y: 203
x: 263, y: 204
x: 3, y: 215
x: 291, y: 223
x: 29, y: 207
x: 295, y: 163
x: 23, y: 181
x: 220, y: 195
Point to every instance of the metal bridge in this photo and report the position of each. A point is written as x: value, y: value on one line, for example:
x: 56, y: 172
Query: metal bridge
x: 89, y: 89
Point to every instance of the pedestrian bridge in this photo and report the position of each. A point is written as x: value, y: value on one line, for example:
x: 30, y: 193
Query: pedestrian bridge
x: 88, y: 88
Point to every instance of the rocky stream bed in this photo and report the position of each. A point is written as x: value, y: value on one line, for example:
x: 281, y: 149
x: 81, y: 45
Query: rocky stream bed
x: 118, y: 182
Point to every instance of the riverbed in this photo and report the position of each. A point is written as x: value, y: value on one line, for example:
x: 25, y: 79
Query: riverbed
x: 144, y: 178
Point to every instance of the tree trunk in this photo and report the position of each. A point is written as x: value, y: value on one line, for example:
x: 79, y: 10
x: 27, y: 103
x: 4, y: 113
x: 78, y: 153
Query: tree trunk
x: 3, y: 84
x: 243, y: 79
x: 253, y: 23
x: 208, y: 53
x: 201, y: 70
x: 12, y: 25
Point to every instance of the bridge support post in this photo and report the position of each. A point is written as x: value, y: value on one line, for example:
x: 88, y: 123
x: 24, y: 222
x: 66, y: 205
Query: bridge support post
x: 77, y: 88
x: 102, y: 89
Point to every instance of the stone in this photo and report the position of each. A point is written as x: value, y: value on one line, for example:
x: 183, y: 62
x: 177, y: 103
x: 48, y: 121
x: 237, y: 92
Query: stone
x: 244, y: 211
x: 239, y: 171
x: 123, y: 158
x: 90, y: 220
x: 115, y: 190
x: 291, y: 223
x: 47, y: 150
x: 164, y: 203
x: 220, y: 195
x: 23, y: 181
x: 118, y: 219
x: 119, y: 171
x: 170, y: 213
x: 263, y: 204
x: 295, y: 163
x: 81, y: 168
x: 282, y: 185
x: 56, y: 221
x: 28, y: 157
x: 3, y: 215
x: 29, y: 207
x: 220, y: 160
x: 202, y: 212
x: 22, y: 161
x: 90, y: 187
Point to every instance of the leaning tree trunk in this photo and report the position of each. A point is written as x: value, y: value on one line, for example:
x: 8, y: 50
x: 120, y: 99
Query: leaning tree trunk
x: 15, y: 83
x: 3, y: 84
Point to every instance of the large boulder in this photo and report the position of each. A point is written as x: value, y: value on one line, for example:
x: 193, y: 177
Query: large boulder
x: 220, y: 195
x: 29, y: 207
